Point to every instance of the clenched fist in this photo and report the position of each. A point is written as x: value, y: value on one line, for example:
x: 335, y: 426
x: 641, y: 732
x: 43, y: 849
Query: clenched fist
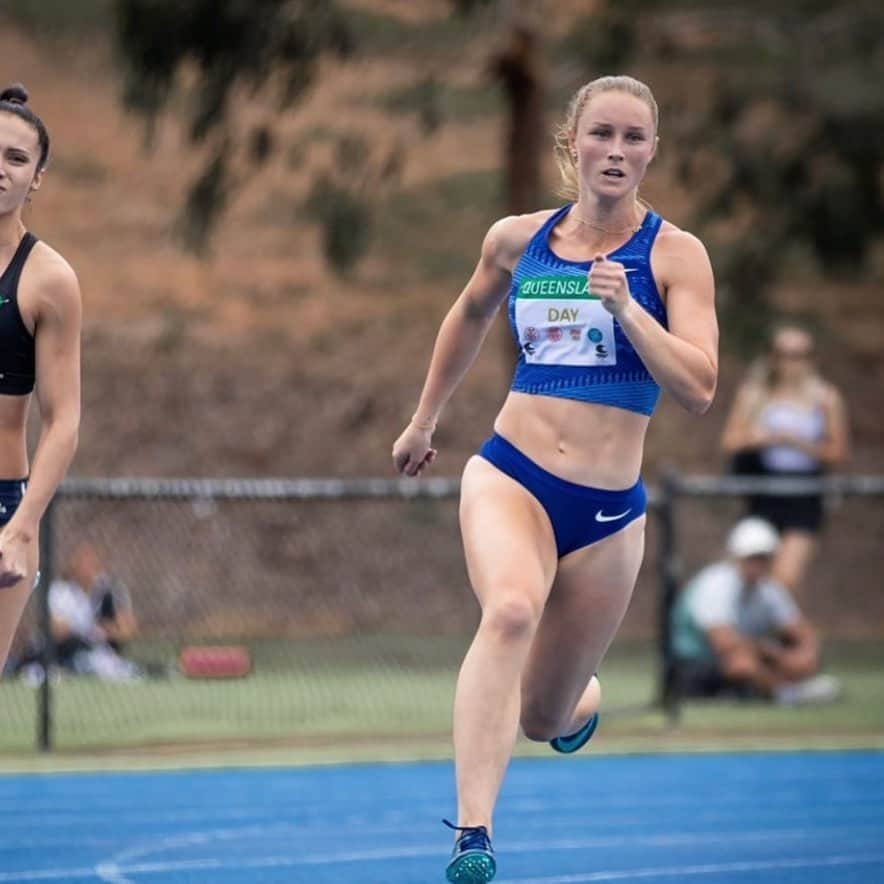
x: 607, y: 280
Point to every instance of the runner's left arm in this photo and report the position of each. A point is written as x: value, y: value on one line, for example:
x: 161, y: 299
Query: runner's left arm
x: 57, y: 336
x: 683, y: 360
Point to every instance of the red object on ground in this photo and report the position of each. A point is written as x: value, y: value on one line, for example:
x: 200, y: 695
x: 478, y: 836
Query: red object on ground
x: 215, y: 661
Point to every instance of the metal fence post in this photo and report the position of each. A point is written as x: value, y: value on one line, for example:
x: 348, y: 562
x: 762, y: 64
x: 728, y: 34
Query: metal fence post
x: 669, y: 584
x: 47, y: 645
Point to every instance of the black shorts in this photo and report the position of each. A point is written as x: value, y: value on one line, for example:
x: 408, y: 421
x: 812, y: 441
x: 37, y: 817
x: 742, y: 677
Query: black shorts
x: 802, y: 512
x: 11, y: 493
x: 794, y: 513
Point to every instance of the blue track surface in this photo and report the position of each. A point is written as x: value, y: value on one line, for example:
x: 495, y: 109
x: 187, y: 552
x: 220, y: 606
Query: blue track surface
x: 764, y: 819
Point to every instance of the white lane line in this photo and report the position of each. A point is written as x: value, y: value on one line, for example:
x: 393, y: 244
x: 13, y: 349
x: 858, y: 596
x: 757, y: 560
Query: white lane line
x: 111, y: 873
x: 132, y: 862
x: 209, y: 863
x: 47, y: 875
x: 707, y: 869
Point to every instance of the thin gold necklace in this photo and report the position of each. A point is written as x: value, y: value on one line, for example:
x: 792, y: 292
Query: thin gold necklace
x: 634, y: 228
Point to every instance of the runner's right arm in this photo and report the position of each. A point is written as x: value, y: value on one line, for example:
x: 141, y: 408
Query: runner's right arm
x: 459, y: 340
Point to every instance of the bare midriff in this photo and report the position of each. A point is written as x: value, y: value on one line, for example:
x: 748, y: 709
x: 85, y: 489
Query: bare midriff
x: 582, y: 442
x: 13, y: 436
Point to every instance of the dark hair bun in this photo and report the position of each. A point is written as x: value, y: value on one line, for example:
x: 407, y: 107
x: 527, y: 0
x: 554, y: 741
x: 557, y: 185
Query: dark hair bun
x: 15, y: 94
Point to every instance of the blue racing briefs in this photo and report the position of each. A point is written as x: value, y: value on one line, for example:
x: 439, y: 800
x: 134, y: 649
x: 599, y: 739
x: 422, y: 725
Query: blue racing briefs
x: 580, y: 515
x: 11, y: 493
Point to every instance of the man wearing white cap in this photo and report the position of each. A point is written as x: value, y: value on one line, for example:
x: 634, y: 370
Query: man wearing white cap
x: 738, y: 632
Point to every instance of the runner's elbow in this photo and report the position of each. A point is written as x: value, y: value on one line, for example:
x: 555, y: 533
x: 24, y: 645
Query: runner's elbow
x: 698, y: 399
x: 701, y: 404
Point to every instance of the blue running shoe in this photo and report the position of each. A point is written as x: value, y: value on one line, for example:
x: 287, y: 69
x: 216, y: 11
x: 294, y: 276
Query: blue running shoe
x: 567, y: 745
x: 472, y: 860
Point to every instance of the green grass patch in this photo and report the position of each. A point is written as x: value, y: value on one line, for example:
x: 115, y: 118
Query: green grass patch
x: 353, y: 688
x: 437, y: 103
x: 434, y: 37
x: 59, y: 18
x: 389, y: 698
x: 439, y: 227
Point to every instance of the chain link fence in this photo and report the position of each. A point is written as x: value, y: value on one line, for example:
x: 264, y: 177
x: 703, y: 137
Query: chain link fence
x: 350, y: 598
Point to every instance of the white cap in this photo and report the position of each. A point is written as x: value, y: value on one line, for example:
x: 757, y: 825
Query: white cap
x: 752, y: 537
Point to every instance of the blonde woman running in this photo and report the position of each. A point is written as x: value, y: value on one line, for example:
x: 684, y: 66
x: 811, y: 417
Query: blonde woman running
x: 608, y: 303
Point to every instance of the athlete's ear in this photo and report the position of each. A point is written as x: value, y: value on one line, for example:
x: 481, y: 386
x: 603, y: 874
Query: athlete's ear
x: 656, y: 145
x: 38, y: 180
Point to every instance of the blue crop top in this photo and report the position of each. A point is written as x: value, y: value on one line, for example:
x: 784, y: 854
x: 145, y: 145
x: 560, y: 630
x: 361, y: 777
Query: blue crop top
x: 569, y: 345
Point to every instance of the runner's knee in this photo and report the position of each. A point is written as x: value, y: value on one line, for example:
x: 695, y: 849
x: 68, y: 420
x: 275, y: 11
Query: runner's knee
x: 540, y: 724
x: 512, y: 617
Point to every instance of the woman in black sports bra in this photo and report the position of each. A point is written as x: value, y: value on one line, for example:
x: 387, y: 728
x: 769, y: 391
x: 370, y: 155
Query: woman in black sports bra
x: 39, y: 349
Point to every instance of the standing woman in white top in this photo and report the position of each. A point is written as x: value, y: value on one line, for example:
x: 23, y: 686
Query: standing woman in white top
x: 787, y: 420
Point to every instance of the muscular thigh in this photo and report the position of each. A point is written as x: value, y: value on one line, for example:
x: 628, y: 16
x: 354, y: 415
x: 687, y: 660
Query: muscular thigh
x: 508, y: 540
x: 589, y: 597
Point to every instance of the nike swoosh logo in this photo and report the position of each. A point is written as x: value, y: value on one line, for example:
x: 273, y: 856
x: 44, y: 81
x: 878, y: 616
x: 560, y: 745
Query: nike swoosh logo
x: 601, y: 517
x: 630, y: 269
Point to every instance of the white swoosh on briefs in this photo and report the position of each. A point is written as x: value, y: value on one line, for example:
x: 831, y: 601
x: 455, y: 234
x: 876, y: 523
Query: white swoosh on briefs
x: 601, y: 517
x: 630, y: 269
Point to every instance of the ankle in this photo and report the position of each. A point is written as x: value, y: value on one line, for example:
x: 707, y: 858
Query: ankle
x: 467, y: 822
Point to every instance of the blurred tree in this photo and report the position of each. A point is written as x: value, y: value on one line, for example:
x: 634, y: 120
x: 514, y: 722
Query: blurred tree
x: 802, y: 124
x: 205, y: 200
x: 342, y: 207
x: 517, y: 65
x: 780, y: 139
x: 222, y: 46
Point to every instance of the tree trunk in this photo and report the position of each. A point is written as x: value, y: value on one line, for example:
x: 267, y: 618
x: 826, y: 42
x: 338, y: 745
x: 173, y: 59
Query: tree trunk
x: 518, y: 68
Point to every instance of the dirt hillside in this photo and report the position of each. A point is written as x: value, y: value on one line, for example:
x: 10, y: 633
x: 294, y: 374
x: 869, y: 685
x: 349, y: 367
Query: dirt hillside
x: 258, y: 359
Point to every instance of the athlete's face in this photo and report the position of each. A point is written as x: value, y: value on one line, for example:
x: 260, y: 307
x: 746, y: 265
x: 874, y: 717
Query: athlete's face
x: 19, y: 155
x: 614, y: 140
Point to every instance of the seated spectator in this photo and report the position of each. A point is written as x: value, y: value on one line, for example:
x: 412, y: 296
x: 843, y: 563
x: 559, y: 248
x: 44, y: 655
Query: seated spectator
x: 113, y: 611
x: 90, y: 618
x: 739, y: 633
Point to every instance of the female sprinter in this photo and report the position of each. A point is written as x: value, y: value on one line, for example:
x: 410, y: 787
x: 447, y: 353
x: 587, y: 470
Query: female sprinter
x: 39, y: 347
x: 608, y: 303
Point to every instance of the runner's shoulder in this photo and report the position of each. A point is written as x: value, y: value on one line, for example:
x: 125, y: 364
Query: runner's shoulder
x: 677, y: 243
x: 508, y: 237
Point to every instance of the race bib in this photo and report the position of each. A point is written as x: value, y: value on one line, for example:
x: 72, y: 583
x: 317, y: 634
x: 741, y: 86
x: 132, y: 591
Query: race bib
x: 560, y: 323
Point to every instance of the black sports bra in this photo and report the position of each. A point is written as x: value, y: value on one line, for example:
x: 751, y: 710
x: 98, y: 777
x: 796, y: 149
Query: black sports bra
x: 17, y: 360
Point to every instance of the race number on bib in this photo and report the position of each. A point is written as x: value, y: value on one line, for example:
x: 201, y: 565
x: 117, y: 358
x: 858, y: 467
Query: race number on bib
x: 560, y: 323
